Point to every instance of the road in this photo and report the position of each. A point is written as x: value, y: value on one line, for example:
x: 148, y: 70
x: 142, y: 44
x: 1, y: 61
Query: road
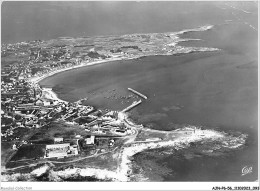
x: 129, y: 139
x: 59, y: 162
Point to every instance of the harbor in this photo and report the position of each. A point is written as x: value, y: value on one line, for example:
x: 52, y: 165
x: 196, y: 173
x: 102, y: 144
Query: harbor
x: 134, y: 104
x: 137, y: 93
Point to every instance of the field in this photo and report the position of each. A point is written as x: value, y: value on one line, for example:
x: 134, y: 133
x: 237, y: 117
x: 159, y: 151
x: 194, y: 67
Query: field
x: 25, y: 154
x: 6, y: 152
x: 29, y: 152
x: 58, y: 129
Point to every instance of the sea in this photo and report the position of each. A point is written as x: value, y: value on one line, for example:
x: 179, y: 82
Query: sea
x: 214, y: 90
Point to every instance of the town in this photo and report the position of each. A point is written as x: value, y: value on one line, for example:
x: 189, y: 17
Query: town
x: 33, y: 122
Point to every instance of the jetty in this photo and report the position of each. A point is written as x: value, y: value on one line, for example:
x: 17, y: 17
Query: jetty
x: 137, y: 93
x: 135, y: 103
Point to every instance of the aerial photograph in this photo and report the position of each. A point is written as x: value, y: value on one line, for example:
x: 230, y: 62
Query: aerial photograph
x: 135, y: 91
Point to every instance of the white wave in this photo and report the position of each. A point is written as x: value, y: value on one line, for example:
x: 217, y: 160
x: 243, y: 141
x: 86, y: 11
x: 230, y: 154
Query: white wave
x: 203, y: 28
x: 230, y: 142
x: 89, y: 172
x: 174, y: 43
x: 180, y: 49
x: 40, y: 171
x: 123, y: 172
x: 16, y: 177
x: 239, y: 9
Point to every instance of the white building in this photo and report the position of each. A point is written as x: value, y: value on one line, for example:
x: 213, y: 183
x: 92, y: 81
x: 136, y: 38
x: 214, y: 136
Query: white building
x: 57, y: 150
x: 58, y: 140
x: 90, y: 140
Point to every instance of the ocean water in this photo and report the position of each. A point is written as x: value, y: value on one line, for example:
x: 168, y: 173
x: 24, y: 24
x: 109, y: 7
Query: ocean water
x: 21, y: 21
x: 216, y: 90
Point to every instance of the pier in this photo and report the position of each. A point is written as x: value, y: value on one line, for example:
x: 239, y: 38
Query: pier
x: 135, y: 103
x: 138, y: 93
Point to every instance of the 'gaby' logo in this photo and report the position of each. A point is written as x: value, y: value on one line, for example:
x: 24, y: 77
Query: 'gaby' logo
x: 246, y: 170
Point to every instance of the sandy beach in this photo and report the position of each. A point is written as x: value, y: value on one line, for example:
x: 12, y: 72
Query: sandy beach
x: 50, y: 93
x: 83, y: 64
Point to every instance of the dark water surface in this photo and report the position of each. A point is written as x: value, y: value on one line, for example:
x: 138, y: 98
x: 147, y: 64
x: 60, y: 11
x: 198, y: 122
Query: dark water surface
x: 215, y: 90
x: 21, y: 20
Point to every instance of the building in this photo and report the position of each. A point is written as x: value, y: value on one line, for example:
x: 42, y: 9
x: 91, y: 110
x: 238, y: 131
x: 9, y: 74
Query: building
x: 58, y: 140
x: 61, y: 150
x: 57, y: 150
x: 14, y: 147
x: 46, y: 103
x: 39, y: 102
x: 90, y: 140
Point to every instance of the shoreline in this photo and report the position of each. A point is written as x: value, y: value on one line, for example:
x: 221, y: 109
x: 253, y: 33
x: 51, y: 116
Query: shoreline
x: 51, y: 93
x: 38, y: 79
x: 82, y: 64
x: 124, y: 170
